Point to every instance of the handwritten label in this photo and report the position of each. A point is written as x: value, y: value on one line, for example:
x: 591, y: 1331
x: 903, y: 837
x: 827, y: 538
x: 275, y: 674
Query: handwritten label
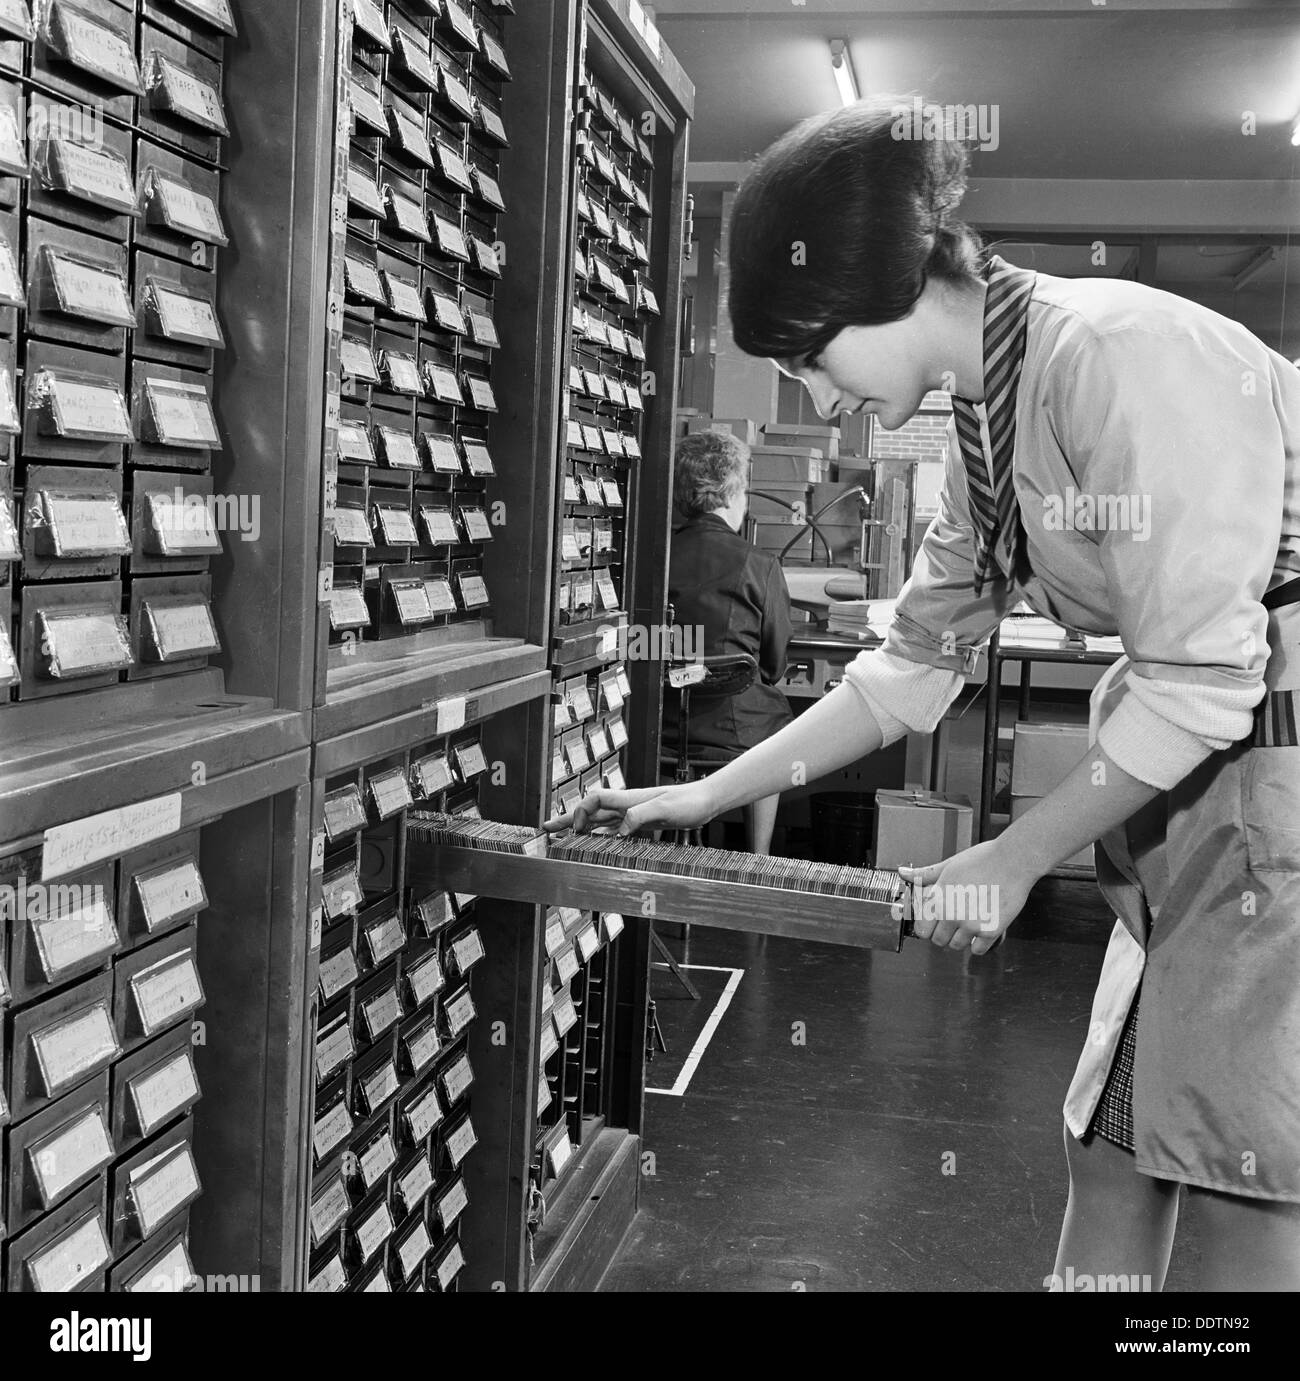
x: 216, y: 12
x: 467, y: 950
x: 65, y: 939
x: 170, y: 892
x: 422, y: 1045
x: 478, y: 458
x: 172, y: 1273
x: 485, y: 257
x: 459, y: 1012
x: 473, y: 591
x: 337, y: 972
x: 167, y: 990
x: 488, y: 189
x: 187, y: 95
x: 330, y: 1279
x: 330, y: 1129
x: 451, y: 241
x: 368, y: 17
x: 481, y: 395
x: 181, y: 414
x: 78, y: 844
x: 452, y: 1204
x: 396, y: 523
x: 354, y: 443
x: 356, y: 359
x: 161, y: 1186
x: 187, y: 211
x: 70, y: 1154
x: 15, y: 20
x: 412, y: 602
x: 450, y: 715
x: 613, y: 924
x: 404, y: 297
x: 348, y: 607
x: 385, y: 937
x: 98, y: 49
x: 425, y: 978
x: 413, y: 1249
x: 381, y: 1012
x: 379, y: 1085
x: 415, y: 1183
x: 461, y: 1142
x: 329, y: 1209
x: 377, y: 1159
x: 85, y: 524
x: 334, y: 1048
x: 71, y: 1258
x: 99, y: 175
x: 13, y: 152
x: 423, y: 1115
x: 374, y: 1231
x: 363, y: 279
x: 559, y: 1152
x: 344, y: 812
x: 411, y: 138
x: 588, y: 943
x: 85, y: 411
x: 181, y: 629
x: 491, y: 123
x: 452, y: 167
x: 565, y: 1014
x: 457, y: 1078
x: 160, y: 1093
x: 450, y: 1266
x: 368, y: 108
x: 90, y: 290
x: 11, y: 287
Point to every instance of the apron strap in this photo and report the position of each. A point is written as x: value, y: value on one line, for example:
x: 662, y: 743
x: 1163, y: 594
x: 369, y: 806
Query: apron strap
x: 1286, y: 593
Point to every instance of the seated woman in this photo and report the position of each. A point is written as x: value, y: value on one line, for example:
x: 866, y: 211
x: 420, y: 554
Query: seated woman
x: 736, y: 596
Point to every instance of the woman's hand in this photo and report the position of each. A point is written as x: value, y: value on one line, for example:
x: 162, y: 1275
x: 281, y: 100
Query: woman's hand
x: 653, y: 807
x: 970, y: 899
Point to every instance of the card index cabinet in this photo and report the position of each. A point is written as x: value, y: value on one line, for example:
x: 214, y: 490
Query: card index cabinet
x: 418, y: 270
x: 113, y: 129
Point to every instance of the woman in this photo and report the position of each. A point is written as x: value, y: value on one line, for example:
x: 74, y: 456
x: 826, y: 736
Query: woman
x: 1103, y: 398
x: 736, y: 596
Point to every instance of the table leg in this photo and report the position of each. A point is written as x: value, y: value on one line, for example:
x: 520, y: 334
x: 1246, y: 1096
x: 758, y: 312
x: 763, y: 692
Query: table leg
x: 988, y: 779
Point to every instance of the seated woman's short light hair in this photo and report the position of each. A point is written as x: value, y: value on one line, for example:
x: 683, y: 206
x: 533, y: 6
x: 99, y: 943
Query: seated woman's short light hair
x: 710, y: 470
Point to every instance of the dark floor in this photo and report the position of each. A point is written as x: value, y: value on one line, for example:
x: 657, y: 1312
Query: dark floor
x: 911, y: 1141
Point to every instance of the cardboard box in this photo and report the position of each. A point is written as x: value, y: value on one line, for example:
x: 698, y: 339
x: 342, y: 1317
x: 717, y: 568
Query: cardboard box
x: 920, y: 827
x: 1044, y: 755
x: 824, y: 439
x: 770, y: 464
x: 743, y: 427
x: 1083, y: 859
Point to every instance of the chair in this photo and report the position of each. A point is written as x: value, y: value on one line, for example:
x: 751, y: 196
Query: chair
x: 718, y: 678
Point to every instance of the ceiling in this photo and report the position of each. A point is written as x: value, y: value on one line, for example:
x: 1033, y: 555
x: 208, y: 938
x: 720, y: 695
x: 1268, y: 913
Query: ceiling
x: 1084, y: 92
x: 1127, y: 94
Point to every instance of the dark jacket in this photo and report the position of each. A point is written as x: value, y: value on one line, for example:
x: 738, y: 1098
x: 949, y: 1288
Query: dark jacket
x: 738, y: 595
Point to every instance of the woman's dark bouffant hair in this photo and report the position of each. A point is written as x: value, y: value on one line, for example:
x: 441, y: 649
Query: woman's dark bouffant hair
x: 840, y: 224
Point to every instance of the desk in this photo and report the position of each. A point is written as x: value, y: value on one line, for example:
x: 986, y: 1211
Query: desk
x: 1026, y: 656
x: 925, y: 752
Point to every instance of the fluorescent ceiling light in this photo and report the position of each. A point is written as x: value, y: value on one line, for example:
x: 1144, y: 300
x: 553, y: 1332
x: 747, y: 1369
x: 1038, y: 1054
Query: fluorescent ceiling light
x: 842, y: 70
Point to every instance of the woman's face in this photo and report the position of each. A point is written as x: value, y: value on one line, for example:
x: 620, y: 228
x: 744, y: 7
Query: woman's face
x: 875, y: 369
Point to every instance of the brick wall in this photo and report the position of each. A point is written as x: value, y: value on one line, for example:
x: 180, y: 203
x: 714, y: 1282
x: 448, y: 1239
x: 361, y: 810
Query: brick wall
x: 924, y: 437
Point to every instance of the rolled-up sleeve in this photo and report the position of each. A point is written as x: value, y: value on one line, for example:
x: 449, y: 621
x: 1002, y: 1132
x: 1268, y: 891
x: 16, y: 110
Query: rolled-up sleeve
x: 939, y: 625
x: 1179, y: 451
